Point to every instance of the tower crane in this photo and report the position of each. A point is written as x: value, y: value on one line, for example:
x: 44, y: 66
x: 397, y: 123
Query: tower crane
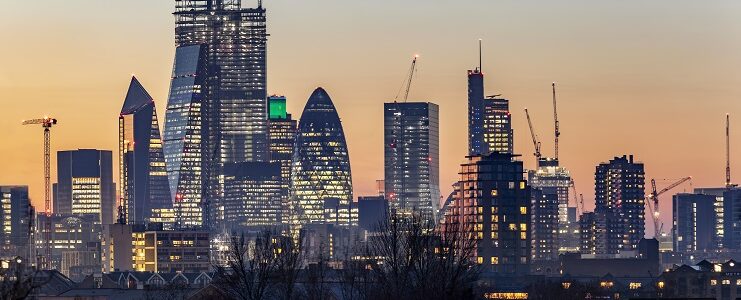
x: 555, y: 121
x: 654, y: 200
x: 409, y: 80
x: 536, y: 143
x: 578, y: 200
x: 46, y: 123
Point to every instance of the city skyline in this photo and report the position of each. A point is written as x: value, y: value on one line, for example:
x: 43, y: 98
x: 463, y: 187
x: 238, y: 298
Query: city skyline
x: 522, y: 75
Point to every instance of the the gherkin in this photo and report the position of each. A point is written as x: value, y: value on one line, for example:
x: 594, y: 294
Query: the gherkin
x: 321, y: 177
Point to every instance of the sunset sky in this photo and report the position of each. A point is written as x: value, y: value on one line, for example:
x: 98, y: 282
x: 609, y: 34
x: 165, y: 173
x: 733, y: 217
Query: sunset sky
x: 649, y: 78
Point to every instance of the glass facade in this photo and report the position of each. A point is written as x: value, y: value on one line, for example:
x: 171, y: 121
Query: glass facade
x: 16, y: 215
x: 143, y: 183
x: 85, y: 184
x: 252, y: 194
x: 187, y: 144
x: 321, y: 163
x: 282, y: 136
x: 411, y: 159
x: 489, y: 119
x: 237, y: 59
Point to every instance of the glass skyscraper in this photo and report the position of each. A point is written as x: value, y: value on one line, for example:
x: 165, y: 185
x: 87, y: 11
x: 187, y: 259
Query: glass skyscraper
x: 237, y: 60
x: 282, y: 129
x: 188, y: 149
x: 321, y: 164
x: 489, y: 119
x: 411, y: 159
x: 85, y: 184
x: 252, y: 195
x: 143, y: 181
x: 16, y: 215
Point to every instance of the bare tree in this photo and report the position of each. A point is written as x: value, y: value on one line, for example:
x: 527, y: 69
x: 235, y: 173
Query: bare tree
x: 315, y: 287
x: 264, y: 267
x: 20, y: 282
x: 419, y: 262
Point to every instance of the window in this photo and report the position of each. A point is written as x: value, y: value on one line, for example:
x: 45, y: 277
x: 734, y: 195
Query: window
x: 713, y: 282
x: 634, y: 285
x: 523, y: 235
x: 513, y: 227
x: 522, y: 185
x: 523, y: 210
x: 566, y: 285
x: 726, y: 281
x: 494, y: 260
x: 494, y: 192
x: 523, y: 226
x: 479, y: 260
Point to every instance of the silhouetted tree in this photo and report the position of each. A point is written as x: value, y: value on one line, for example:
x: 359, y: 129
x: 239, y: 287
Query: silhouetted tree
x: 19, y: 281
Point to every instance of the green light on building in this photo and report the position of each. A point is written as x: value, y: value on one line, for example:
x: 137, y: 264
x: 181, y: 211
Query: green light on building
x: 277, y: 107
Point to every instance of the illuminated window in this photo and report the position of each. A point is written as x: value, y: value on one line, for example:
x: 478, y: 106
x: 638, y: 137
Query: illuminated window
x: 494, y: 260
x: 494, y: 193
x: 634, y: 285
x: 718, y: 268
x: 523, y: 235
x: 566, y: 285
x: 726, y: 281
x: 512, y: 226
x: 713, y: 282
x: 523, y: 210
x: 522, y: 185
x: 523, y: 226
x: 661, y: 284
x: 479, y: 260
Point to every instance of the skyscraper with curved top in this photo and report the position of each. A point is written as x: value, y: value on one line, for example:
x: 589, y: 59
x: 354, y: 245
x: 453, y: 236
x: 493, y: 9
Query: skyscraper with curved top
x: 321, y: 177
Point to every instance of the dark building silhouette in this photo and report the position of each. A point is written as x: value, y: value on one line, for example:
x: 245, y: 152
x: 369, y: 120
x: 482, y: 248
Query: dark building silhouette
x: 372, y: 212
x: 544, y: 214
x: 17, y: 218
x: 492, y: 200
x: 732, y: 218
x: 411, y: 147
x: 717, y: 192
x: 188, y: 146
x: 693, y: 217
x: 619, y: 192
x: 142, y: 173
x: 282, y: 137
x: 645, y: 263
x: 321, y: 163
x: 85, y: 184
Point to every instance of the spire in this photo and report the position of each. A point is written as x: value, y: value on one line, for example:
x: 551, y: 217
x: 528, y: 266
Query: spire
x: 136, y: 97
x: 480, y: 57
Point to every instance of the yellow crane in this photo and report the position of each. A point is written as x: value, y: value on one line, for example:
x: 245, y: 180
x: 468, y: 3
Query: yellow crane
x: 46, y: 123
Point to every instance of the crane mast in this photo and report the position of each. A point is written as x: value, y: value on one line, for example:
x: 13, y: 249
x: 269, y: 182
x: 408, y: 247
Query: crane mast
x: 46, y: 123
x: 728, y: 151
x: 654, y: 197
x: 536, y: 143
x: 408, y: 82
x: 557, y: 132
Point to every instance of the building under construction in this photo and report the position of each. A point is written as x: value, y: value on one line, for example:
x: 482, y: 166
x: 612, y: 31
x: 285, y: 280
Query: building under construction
x: 235, y: 103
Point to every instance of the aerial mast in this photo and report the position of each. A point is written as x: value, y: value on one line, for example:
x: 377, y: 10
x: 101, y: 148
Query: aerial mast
x: 728, y: 151
x: 555, y: 120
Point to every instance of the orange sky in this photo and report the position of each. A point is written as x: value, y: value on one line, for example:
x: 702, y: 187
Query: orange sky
x: 652, y: 79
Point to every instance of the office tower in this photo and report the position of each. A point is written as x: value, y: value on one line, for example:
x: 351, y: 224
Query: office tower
x: 693, y: 217
x: 16, y: 214
x: 732, y: 218
x: 372, y: 212
x: 492, y: 200
x: 252, y: 194
x: 85, y: 184
x: 489, y: 119
x: 619, y: 189
x: 718, y: 208
x: 412, y: 159
x: 321, y: 163
x: 69, y: 233
x: 282, y: 129
x: 188, y: 147
x: 544, y: 215
x: 174, y: 251
x: 236, y: 42
x: 143, y: 182
x: 550, y: 175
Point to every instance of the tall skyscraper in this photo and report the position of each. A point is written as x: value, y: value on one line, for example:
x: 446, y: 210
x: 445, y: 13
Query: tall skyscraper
x: 619, y: 189
x: 142, y: 173
x: 236, y: 40
x: 550, y: 175
x: 188, y: 147
x: 282, y: 137
x: 85, y: 184
x: 492, y: 200
x: 693, y: 217
x: 717, y: 192
x: 16, y: 214
x: 489, y: 119
x: 321, y: 163
x: 412, y: 158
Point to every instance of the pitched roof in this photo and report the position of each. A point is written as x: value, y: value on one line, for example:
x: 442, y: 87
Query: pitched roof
x: 136, y: 97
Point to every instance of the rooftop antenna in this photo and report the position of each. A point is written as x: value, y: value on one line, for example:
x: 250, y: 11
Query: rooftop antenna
x: 555, y: 120
x: 480, y: 65
x: 728, y: 152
